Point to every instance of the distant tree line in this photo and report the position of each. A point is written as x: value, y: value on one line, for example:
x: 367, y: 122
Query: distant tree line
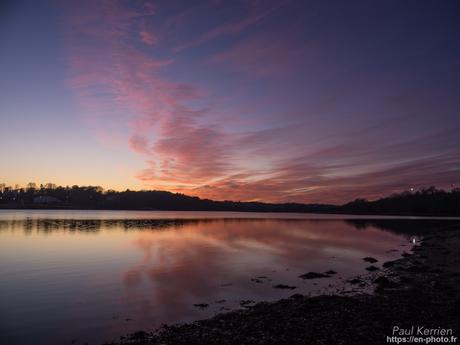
x: 94, y: 197
x: 429, y: 201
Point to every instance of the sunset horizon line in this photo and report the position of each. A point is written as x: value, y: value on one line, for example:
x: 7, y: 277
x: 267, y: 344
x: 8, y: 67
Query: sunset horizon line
x: 104, y: 190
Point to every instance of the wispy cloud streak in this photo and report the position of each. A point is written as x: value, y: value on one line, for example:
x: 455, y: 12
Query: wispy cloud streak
x: 269, y: 115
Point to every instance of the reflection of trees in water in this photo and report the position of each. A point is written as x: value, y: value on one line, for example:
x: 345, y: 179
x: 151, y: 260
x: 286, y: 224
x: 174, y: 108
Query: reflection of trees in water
x: 46, y: 225
x: 404, y: 226
x: 90, y: 225
x: 94, y: 225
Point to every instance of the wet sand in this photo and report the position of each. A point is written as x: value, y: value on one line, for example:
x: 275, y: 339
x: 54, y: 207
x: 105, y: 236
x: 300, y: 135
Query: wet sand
x: 420, y: 289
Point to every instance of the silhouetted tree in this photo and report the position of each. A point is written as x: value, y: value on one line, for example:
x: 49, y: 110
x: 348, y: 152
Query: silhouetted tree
x: 428, y: 201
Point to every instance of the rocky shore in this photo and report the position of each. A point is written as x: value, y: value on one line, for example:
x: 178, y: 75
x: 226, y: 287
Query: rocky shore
x: 419, y: 290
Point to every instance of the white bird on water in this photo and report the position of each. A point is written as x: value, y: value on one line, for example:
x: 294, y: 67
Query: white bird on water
x: 413, y: 240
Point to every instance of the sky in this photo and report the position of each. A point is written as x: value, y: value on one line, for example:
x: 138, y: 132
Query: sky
x: 276, y: 101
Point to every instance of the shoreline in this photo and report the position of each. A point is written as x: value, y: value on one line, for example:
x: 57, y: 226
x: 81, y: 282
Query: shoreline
x: 339, y: 212
x: 418, y: 290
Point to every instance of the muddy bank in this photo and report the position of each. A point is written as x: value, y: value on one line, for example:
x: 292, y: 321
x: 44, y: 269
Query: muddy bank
x: 421, y: 289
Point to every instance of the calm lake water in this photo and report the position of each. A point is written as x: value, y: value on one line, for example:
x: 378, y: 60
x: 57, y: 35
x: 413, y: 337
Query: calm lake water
x: 95, y: 275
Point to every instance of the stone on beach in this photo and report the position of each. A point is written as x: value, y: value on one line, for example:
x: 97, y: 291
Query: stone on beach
x: 283, y: 286
x: 313, y: 275
x: 370, y: 259
x: 372, y: 268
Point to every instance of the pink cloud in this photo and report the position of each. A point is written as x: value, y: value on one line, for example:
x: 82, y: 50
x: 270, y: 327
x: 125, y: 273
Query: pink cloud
x: 193, y: 147
x: 231, y: 27
x: 114, y: 80
x: 148, y: 37
x: 264, y: 54
x: 139, y: 144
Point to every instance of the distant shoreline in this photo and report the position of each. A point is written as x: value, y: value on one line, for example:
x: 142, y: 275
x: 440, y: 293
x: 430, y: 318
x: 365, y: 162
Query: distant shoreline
x: 337, y: 213
x: 426, y: 202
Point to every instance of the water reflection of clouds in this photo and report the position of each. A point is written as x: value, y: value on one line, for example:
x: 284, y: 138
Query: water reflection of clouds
x: 171, y: 272
x: 187, y: 264
x: 154, y: 270
x: 179, y: 262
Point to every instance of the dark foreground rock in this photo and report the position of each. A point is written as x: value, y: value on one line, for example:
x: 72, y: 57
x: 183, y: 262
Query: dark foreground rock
x: 314, y: 275
x: 372, y: 268
x: 412, y: 297
x: 283, y: 286
x: 370, y: 259
x: 331, y: 272
x: 201, y: 305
